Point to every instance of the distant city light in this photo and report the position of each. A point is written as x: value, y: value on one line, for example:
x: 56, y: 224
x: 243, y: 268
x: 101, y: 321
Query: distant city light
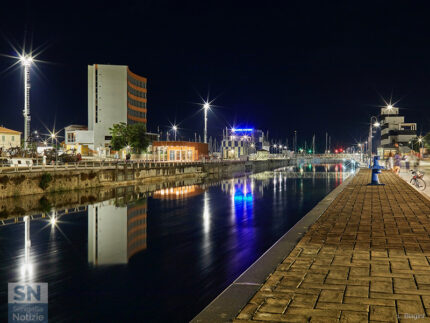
x: 389, y: 107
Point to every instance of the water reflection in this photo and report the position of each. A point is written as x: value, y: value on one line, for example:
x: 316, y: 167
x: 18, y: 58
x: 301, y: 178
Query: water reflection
x: 201, y: 236
x: 116, y: 232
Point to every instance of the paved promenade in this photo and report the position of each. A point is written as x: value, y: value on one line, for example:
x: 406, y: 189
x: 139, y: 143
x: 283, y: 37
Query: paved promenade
x: 367, y: 258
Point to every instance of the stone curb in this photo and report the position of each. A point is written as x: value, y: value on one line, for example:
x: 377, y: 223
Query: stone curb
x: 226, y: 306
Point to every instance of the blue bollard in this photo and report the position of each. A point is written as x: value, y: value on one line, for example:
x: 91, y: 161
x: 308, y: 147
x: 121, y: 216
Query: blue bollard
x: 376, y: 169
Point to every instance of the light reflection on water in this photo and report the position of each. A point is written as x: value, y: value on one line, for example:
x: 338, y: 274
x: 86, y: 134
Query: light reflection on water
x: 162, y: 257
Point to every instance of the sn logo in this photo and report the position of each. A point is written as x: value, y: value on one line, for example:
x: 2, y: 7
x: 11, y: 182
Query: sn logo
x: 28, y: 293
x: 20, y: 293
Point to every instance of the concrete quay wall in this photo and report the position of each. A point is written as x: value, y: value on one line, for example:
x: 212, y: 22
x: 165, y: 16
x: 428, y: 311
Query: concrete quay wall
x: 66, y: 179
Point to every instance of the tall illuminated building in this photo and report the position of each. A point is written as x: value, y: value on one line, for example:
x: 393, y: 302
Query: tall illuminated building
x: 115, y: 94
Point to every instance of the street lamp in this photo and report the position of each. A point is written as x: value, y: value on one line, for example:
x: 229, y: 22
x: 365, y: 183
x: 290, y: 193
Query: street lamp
x: 26, y: 61
x: 420, y: 140
x: 206, y: 107
x: 373, y: 123
x: 54, y: 137
x: 175, y: 128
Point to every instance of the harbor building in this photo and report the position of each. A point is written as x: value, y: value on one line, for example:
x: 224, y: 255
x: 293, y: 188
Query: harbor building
x: 78, y: 138
x: 179, y: 151
x: 396, y: 134
x: 9, y: 138
x: 239, y: 143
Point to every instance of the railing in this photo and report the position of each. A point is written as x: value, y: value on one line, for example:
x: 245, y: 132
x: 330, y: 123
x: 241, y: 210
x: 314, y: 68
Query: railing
x: 103, y: 164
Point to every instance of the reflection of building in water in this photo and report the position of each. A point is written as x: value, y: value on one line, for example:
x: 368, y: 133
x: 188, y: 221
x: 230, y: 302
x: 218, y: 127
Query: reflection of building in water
x: 115, y: 233
x: 136, y: 227
x: 178, y: 192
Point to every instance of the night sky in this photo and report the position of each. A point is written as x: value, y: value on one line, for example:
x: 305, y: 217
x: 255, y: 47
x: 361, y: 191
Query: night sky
x: 310, y: 66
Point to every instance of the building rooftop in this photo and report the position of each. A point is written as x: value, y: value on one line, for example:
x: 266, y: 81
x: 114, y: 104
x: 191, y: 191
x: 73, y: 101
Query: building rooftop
x: 75, y: 127
x: 9, y: 131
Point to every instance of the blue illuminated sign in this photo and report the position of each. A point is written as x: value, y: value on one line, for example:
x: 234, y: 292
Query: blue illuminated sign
x: 242, y: 129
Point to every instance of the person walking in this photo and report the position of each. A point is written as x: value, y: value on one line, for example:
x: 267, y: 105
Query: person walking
x: 397, y: 159
x: 389, y: 162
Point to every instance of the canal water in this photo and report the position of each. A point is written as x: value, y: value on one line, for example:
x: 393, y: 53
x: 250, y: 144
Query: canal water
x: 158, y: 257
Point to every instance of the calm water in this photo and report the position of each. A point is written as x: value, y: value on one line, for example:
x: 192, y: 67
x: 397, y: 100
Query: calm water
x: 159, y: 258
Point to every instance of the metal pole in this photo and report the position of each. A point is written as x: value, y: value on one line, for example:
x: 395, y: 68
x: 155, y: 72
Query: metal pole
x: 295, y: 140
x: 326, y: 137
x: 205, y: 135
x: 369, y: 140
x: 370, y: 136
x: 26, y: 111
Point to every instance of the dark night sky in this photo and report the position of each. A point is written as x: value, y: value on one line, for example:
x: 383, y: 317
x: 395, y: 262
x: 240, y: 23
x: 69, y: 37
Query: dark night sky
x: 309, y: 66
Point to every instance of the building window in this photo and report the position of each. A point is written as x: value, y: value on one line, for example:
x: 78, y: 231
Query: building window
x: 108, y: 137
x: 3, y: 138
x: 172, y: 155
x: 13, y: 138
x: 71, y: 137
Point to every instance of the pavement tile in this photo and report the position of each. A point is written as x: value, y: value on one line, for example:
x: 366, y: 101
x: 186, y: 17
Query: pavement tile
x: 367, y: 258
x: 383, y: 313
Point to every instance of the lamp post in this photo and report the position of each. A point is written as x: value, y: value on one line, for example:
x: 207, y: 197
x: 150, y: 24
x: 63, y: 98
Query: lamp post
x: 421, y: 145
x: 206, y: 107
x: 376, y: 124
x: 26, y: 61
x: 54, y: 137
x: 175, y: 128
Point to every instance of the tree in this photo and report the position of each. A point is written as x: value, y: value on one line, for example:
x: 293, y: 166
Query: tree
x: 119, y: 136
x: 133, y: 135
x: 137, y: 137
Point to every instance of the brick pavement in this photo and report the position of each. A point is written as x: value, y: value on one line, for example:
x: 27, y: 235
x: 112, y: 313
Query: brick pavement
x: 365, y: 259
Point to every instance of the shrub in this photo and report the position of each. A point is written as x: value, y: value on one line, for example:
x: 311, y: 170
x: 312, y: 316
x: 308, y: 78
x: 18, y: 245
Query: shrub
x: 45, y: 180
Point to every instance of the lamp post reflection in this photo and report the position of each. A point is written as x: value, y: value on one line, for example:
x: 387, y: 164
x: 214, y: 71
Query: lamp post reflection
x: 27, y: 267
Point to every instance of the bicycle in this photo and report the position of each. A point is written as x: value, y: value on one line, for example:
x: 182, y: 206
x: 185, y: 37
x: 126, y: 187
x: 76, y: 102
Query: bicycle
x: 417, y: 180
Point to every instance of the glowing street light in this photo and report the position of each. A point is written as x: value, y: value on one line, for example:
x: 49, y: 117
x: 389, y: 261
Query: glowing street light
x: 206, y: 107
x: 175, y: 128
x: 390, y: 107
x: 26, y: 61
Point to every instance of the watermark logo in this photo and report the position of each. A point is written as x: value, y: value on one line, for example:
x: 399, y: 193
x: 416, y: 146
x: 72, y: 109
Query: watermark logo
x: 409, y: 316
x: 28, y: 302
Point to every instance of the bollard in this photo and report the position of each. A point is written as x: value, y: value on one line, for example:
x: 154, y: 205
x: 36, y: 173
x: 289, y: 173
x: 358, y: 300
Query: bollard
x: 376, y: 169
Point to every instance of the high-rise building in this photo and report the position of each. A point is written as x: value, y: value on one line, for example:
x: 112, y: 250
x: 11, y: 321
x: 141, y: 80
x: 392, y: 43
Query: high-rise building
x: 115, y: 94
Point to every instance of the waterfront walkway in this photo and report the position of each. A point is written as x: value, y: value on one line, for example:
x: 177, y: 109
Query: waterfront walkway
x: 365, y: 259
